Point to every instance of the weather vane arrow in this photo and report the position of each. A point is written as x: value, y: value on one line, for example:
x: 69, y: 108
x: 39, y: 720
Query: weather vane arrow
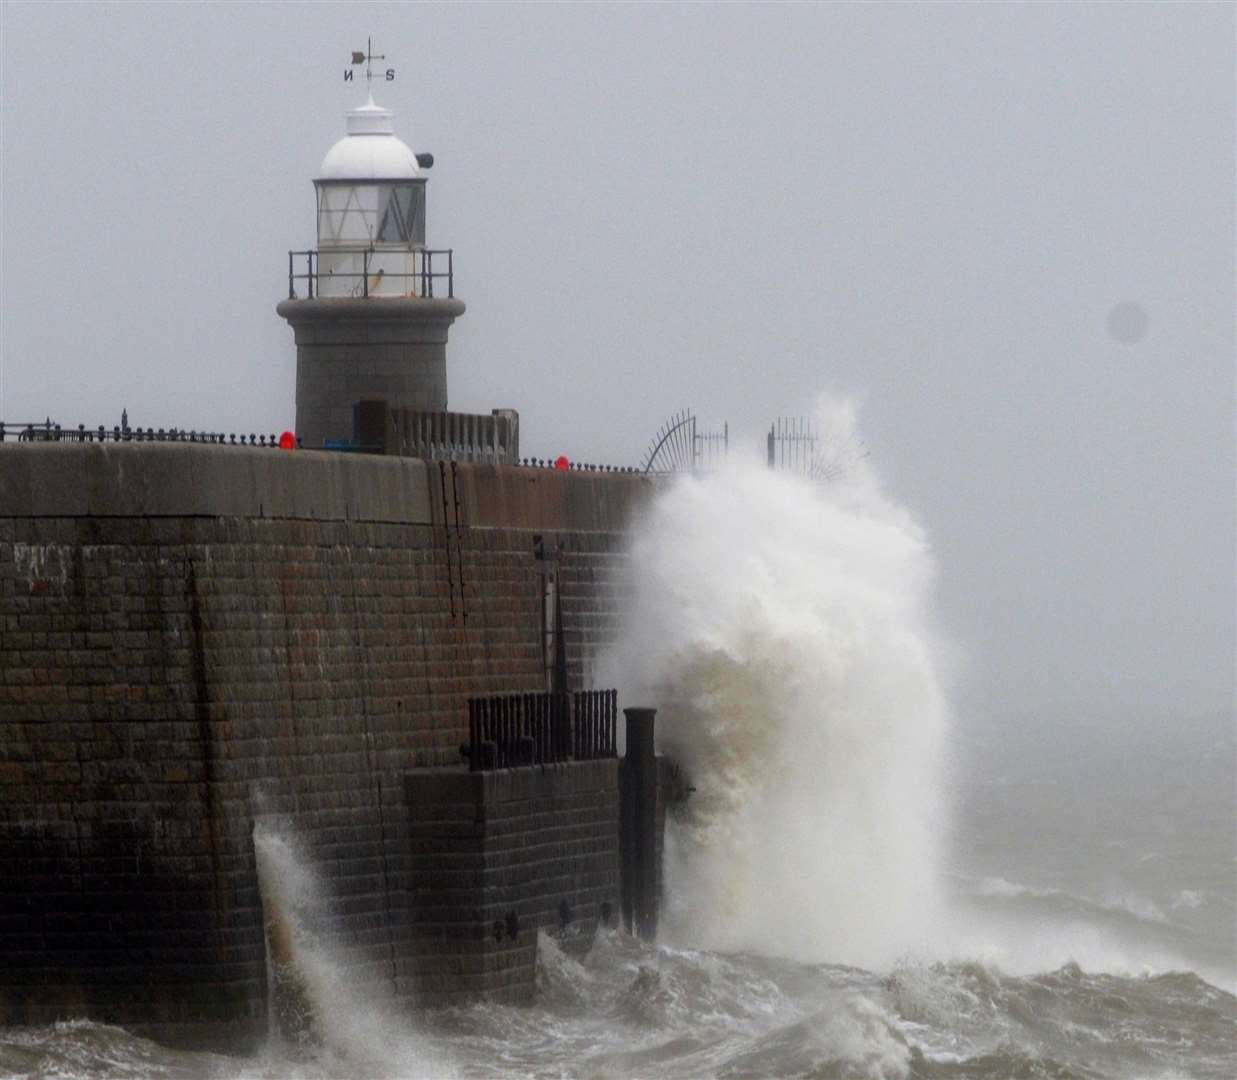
x: 367, y: 58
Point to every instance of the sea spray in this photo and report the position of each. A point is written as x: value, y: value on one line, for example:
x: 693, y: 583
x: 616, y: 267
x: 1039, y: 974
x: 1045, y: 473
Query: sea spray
x: 288, y: 898
x: 780, y: 626
x: 350, y: 1026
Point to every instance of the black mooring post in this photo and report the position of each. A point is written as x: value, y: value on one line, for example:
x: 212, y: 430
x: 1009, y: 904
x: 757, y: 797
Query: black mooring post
x: 638, y: 826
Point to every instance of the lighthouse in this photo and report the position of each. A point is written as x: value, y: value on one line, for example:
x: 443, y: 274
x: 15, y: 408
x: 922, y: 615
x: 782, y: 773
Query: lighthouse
x: 371, y: 305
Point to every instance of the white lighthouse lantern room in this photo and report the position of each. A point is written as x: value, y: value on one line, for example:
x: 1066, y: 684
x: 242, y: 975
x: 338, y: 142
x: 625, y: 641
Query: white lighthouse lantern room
x: 371, y: 212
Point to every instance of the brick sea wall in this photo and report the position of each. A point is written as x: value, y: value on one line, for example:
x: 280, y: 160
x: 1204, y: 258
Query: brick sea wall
x: 498, y: 856
x: 166, y: 676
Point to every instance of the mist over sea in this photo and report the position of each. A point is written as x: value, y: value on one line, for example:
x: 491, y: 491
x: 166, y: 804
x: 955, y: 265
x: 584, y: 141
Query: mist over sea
x: 862, y: 885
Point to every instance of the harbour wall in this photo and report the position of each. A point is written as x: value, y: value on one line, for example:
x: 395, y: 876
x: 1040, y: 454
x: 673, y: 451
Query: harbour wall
x: 497, y: 854
x: 192, y: 637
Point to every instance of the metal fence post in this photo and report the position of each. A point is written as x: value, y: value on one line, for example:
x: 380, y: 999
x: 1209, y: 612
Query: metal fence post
x: 638, y: 826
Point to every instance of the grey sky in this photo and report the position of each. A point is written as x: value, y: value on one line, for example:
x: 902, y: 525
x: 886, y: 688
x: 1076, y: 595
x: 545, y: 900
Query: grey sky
x: 934, y: 208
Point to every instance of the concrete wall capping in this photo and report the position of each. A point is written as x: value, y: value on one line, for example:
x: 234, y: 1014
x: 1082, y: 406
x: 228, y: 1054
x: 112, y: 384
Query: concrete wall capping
x: 153, y: 480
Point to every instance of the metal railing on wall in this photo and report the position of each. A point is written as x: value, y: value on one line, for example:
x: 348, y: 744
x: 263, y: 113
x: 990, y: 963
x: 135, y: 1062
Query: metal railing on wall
x: 48, y: 432
x: 574, y: 466
x: 511, y: 730
x: 796, y: 445
x: 680, y: 446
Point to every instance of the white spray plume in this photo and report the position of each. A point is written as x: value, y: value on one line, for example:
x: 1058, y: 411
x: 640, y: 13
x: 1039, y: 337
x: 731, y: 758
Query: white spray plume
x: 362, y: 1030
x: 780, y: 627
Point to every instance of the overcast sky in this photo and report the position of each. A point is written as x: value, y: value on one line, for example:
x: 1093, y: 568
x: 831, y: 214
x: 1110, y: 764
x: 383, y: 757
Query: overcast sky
x: 935, y: 209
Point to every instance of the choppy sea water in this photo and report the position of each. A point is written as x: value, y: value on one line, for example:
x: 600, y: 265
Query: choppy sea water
x: 862, y: 885
x: 1134, y: 878
x: 629, y: 1010
x: 1094, y: 885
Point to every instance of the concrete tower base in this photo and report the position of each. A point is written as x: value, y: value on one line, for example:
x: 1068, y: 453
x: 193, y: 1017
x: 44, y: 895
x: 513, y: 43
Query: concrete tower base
x: 392, y: 349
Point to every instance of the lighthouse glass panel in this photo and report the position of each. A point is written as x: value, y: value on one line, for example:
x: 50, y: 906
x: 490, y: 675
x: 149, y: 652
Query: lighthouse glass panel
x: 376, y: 213
x: 401, y: 214
x: 346, y: 214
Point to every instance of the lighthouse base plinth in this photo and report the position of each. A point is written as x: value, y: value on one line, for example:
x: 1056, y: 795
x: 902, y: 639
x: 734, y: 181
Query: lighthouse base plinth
x: 348, y: 350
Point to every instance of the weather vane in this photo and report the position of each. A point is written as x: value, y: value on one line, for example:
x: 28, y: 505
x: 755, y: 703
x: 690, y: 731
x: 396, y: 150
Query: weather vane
x: 367, y: 58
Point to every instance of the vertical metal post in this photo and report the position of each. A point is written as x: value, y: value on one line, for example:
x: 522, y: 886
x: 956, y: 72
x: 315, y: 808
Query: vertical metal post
x: 309, y: 273
x: 474, y: 742
x: 291, y: 268
x: 638, y: 826
x: 365, y: 273
x: 451, y: 272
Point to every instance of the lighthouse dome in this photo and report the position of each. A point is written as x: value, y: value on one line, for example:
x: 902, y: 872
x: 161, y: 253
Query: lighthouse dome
x: 370, y: 150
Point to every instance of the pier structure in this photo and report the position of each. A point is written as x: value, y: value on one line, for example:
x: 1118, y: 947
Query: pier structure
x: 382, y: 644
x: 198, y: 639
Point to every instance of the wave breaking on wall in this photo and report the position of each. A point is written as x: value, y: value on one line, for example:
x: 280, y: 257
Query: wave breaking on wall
x: 781, y: 627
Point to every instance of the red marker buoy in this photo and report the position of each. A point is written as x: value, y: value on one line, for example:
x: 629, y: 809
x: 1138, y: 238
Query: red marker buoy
x: 287, y: 441
x: 561, y: 462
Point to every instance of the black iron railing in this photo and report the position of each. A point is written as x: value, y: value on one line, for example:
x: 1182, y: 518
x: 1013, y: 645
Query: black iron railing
x: 509, y: 730
x: 574, y: 466
x: 679, y: 446
x: 432, y: 270
x: 795, y: 445
x: 46, y: 431
x: 595, y: 724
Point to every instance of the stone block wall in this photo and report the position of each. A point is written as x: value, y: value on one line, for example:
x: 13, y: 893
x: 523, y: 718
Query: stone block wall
x: 498, y: 856
x: 167, y: 676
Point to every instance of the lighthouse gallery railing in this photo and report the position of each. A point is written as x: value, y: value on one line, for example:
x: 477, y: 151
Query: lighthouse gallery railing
x: 429, y: 267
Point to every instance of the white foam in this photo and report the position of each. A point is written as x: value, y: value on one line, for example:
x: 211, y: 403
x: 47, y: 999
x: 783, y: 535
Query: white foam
x: 363, y: 1031
x: 780, y: 626
x: 782, y: 629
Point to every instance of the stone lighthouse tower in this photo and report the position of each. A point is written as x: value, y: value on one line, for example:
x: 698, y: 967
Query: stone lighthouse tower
x: 371, y: 305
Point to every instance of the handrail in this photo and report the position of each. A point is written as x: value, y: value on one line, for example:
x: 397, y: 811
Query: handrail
x: 46, y: 431
x: 540, y: 728
x: 424, y: 275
